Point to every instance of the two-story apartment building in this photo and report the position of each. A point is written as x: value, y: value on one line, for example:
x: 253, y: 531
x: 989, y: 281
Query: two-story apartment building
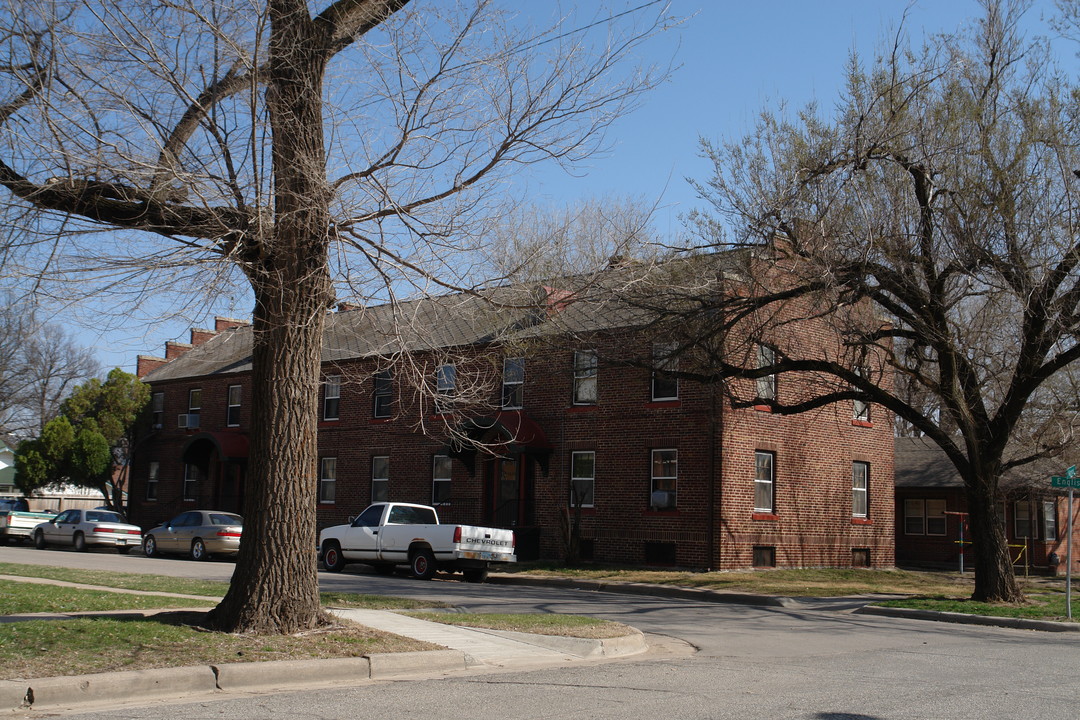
x: 576, y: 434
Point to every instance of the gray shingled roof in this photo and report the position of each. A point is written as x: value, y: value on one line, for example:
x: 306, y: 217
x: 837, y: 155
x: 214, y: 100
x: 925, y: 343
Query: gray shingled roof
x: 459, y: 320
x: 920, y: 463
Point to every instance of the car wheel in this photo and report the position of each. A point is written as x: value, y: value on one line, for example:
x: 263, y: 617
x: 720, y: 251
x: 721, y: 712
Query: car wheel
x: 39, y: 540
x: 475, y: 575
x: 332, y: 557
x: 149, y: 546
x: 422, y: 565
x: 80, y: 542
x: 198, y: 550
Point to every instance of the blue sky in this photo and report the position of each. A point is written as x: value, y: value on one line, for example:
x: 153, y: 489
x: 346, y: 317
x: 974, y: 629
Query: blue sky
x: 734, y: 59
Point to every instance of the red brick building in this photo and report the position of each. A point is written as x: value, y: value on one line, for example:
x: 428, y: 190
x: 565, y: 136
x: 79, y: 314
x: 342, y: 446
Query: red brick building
x: 511, y: 429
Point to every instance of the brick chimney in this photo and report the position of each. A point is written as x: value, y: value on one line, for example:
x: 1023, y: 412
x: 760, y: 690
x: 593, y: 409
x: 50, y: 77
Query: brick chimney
x: 174, y: 350
x: 201, y: 335
x: 146, y: 364
x: 223, y: 323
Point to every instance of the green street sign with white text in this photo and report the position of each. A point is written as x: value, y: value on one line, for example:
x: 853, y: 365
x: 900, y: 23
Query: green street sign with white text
x: 1065, y: 482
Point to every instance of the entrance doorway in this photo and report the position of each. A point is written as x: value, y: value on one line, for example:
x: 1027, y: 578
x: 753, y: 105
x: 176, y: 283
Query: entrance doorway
x: 507, y: 492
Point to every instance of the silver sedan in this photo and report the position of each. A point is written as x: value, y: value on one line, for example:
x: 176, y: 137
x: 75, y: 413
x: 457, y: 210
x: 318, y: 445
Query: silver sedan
x: 197, y: 534
x: 84, y: 528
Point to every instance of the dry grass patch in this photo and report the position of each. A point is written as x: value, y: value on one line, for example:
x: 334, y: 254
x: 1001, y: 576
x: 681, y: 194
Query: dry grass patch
x: 171, y: 639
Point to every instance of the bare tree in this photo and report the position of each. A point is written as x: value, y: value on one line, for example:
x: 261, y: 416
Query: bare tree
x: 352, y: 152
x: 39, y: 366
x: 932, y: 223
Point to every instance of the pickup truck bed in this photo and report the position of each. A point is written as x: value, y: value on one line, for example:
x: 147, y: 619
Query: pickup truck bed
x: 17, y: 525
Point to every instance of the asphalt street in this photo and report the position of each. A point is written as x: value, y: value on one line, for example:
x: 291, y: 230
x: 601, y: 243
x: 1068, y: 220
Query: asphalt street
x: 708, y: 661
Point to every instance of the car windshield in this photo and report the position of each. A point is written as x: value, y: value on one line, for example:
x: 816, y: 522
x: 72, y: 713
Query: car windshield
x: 103, y: 516
x: 225, y: 519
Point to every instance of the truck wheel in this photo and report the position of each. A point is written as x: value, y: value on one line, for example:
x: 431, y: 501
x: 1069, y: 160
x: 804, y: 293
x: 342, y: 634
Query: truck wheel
x: 475, y: 575
x: 39, y: 540
x: 332, y: 557
x: 423, y: 565
x: 80, y: 542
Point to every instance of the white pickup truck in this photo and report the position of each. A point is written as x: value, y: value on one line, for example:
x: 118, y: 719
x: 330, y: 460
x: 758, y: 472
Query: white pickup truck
x: 386, y: 535
x: 18, y: 525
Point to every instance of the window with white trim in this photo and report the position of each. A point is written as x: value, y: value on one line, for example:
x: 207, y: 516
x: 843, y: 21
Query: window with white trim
x: 152, y: 481
x: 194, y: 407
x: 860, y: 409
x: 1049, y: 508
x: 232, y: 413
x: 332, y: 397
x: 585, y: 366
x: 665, y: 475
x: 445, y: 387
x: 191, y: 481
x: 664, y: 386
x: 860, y: 489
x: 157, y: 410
x: 766, y: 386
x: 582, y: 478
x: 383, y: 394
x: 442, y: 467
x: 328, y: 480
x: 1022, y: 524
x: 764, y: 482
x: 925, y: 517
x: 380, y: 478
x: 513, y: 389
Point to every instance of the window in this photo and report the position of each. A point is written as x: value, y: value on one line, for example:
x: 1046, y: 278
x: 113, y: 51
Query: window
x: 764, y: 556
x: 191, y: 481
x: 1022, y: 519
x: 860, y: 409
x: 151, y: 482
x: 1050, y: 519
x: 925, y: 517
x: 583, y: 478
x: 585, y: 363
x: 513, y: 394
x: 157, y: 410
x: 383, y: 396
x: 766, y: 386
x: 665, y: 466
x: 380, y: 478
x: 441, y: 472
x: 664, y: 387
x: 860, y: 486
x: 331, y: 397
x: 445, y: 387
x: 232, y: 415
x: 370, y: 517
x: 194, y: 407
x: 764, y: 490
x: 327, y: 480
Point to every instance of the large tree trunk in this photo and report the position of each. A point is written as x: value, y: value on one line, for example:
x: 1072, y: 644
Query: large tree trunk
x: 995, y: 580
x: 275, y: 586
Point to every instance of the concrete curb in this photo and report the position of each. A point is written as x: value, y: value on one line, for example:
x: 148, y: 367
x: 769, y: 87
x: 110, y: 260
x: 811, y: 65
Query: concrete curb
x: 581, y: 647
x: 57, y: 692
x: 667, y: 591
x: 964, y: 619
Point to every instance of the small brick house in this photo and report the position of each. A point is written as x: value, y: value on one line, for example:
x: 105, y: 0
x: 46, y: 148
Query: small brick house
x: 569, y: 443
x: 931, y: 506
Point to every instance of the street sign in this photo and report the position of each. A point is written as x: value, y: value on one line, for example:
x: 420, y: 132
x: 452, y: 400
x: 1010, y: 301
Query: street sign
x: 1065, y: 482
x: 1071, y: 472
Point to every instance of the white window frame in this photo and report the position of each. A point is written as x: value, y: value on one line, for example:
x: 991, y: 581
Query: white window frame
x: 382, y: 394
x: 585, y: 377
x: 441, y: 477
x: 581, y: 484
x: 327, y: 480
x: 380, y: 478
x: 664, y: 361
x: 860, y: 409
x: 766, y: 386
x: 664, y: 485
x: 445, y: 387
x: 764, y: 481
x: 1049, y: 509
x: 937, y: 522
x: 1026, y: 514
x: 152, y: 480
x: 232, y: 412
x: 860, y: 489
x: 332, y: 397
x: 513, y: 383
x: 191, y: 482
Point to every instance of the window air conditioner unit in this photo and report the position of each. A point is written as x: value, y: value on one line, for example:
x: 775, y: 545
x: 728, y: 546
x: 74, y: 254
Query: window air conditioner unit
x: 181, y: 420
x: 187, y: 420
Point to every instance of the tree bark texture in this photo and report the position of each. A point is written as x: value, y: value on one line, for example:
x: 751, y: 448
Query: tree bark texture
x: 275, y: 586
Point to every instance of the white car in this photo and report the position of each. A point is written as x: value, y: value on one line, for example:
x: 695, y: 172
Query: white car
x: 83, y: 528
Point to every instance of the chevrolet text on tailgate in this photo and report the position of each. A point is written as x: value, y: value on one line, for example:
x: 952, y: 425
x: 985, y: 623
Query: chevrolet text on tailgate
x: 386, y: 535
